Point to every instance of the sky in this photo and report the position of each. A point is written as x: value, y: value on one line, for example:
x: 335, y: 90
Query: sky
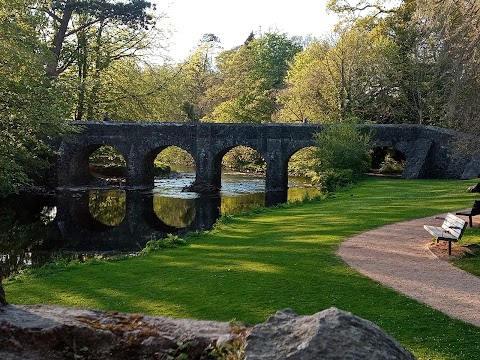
x: 232, y: 21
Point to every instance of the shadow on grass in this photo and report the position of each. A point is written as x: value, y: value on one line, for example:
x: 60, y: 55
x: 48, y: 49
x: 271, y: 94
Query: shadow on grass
x: 255, y: 264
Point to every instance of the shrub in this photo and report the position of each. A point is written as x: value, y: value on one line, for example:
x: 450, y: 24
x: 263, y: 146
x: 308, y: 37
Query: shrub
x: 391, y: 166
x: 343, y: 156
x: 331, y: 179
x: 161, y: 169
x: 171, y: 241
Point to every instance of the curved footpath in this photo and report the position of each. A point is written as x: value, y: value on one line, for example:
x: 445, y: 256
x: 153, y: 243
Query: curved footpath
x: 398, y: 256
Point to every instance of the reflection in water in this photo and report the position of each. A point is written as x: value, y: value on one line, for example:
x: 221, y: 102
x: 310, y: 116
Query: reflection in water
x: 300, y: 194
x: 81, y: 224
x: 48, y: 214
x: 174, y: 212
x: 107, y: 206
x: 23, y: 231
x: 239, y: 204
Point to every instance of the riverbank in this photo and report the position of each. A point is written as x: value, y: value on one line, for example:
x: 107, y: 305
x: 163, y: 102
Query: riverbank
x: 269, y: 259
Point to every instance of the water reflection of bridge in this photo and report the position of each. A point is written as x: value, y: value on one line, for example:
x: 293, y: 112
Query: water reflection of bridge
x: 48, y: 227
x: 80, y: 230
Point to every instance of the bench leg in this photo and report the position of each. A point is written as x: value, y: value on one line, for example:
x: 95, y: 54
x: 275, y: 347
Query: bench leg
x: 449, y: 248
x: 470, y: 221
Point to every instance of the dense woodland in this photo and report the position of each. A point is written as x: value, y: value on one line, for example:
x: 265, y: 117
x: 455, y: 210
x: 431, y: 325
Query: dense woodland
x: 416, y: 62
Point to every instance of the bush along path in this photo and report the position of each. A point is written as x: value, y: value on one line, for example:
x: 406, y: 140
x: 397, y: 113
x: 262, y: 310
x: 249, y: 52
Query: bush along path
x: 252, y: 265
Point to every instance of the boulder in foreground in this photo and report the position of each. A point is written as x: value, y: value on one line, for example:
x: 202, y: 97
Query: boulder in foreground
x: 329, y: 334
x: 44, y: 332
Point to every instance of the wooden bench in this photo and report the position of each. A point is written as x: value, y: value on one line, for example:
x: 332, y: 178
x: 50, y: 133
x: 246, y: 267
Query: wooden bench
x: 452, y: 229
x: 475, y: 210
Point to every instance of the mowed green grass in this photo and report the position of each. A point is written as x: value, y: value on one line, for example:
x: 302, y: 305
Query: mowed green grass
x: 254, y: 264
x: 470, y: 261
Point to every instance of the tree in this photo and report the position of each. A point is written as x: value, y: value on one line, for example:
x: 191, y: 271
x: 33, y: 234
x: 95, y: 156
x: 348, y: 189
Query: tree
x: 135, y: 91
x: 249, y: 79
x: 306, y: 95
x: 454, y: 26
x: 69, y: 17
x: 86, y: 36
x: 383, y: 67
x: 343, y: 155
x: 339, y: 79
x: 198, y: 75
x: 31, y: 105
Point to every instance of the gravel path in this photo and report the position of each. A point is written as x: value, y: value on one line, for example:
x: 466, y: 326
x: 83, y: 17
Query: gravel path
x: 399, y: 257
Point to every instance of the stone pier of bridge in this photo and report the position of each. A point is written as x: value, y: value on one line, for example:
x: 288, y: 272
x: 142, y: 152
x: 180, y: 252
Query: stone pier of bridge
x: 427, y: 149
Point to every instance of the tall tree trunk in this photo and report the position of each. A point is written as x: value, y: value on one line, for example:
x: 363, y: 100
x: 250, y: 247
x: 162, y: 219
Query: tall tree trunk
x: 93, y: 98
x: 52, y: 67
x: 82, y: 73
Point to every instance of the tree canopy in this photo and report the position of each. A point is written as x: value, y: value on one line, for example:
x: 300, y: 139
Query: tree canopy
x: 408, y: 61
x: 31, y: 105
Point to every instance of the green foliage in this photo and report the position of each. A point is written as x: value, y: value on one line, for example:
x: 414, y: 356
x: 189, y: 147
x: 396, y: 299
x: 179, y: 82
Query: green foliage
x: 178, y: 353
x: 173, y: 155
x: 412, y: 64
x: 31, y: 106
x: 107, y: 156
x: 245, y: 269
x: 171, y: 241
x: 243, y: 158
x: 161, y: 169
x: 332, y: 179
x: 231, y: 351
x: 249, y: 79
x: 343, y: 155
x: 173, y: 211
x: 338, y: 78
x: 13, y: 246
x: 390, y: 166
x: 108, y: 206
x: 134, y: 91
x: 451, y: 29
x: 85, y: 38
x: 303, y: 163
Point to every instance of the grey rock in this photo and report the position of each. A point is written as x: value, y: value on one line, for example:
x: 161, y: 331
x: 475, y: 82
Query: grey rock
x: 50, y: 332
x: 329, y: 334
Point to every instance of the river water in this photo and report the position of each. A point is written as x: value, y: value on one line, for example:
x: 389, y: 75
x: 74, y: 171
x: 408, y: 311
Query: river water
x: 96, y: 222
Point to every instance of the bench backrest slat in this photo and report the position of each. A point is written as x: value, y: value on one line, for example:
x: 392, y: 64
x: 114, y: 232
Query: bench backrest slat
x: 454, y: 225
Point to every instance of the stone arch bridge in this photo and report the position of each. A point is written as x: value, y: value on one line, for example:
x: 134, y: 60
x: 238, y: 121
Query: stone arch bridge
x: 427, y: 149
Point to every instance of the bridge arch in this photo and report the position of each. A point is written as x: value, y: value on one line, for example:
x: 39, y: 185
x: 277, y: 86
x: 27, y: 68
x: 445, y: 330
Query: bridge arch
x: 302, y: 161
x: 388, y: 160
x: 148, y: 163
x: 81, y: 210
x: 429, y: 151
x: 78, y: 163
x: 218, y: 159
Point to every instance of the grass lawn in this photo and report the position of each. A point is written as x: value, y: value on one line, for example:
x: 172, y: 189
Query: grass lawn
x: 470, y: 262
x: 254, y: 264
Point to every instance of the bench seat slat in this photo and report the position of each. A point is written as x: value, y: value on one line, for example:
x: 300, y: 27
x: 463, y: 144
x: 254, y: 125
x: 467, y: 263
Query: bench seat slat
x: 439, y: 233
